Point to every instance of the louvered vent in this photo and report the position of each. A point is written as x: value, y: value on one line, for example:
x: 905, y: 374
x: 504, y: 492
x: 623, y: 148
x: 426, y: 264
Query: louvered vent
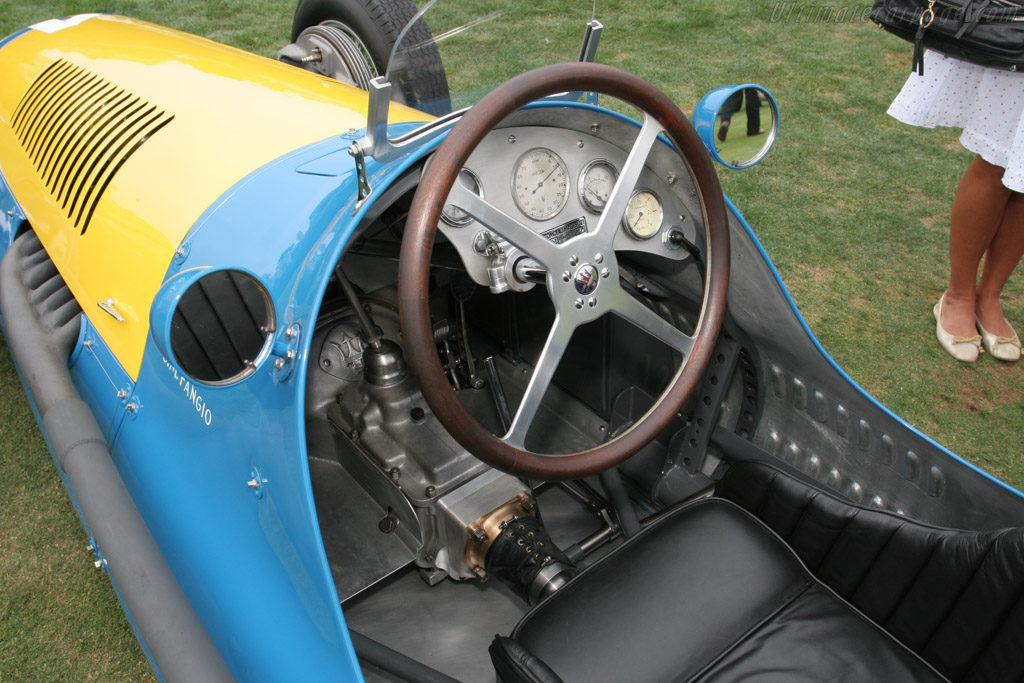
x: 78, y: 129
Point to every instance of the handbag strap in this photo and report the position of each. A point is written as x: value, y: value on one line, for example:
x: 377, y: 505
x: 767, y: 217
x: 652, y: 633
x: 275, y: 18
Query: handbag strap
x: 972, y: 16
x: 923, y: 22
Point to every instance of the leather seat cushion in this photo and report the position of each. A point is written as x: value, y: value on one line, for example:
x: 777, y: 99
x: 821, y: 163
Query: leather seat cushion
x: 708, y: 592
x: 954, y: 597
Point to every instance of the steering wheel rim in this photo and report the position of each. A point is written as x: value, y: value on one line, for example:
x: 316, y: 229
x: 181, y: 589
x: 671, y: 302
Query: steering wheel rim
x: 421, y: 226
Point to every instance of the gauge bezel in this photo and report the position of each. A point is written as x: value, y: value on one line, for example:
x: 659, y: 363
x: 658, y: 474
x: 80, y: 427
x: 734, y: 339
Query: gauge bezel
x: 479, y: 192
x: 587, y: 204
x: 515, y: 194
x: 661, y: 213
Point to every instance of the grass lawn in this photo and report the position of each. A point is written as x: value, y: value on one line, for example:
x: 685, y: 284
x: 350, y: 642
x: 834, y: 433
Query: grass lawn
x: 745, y: 132
x: 739, y: 146
x: 851, y: 205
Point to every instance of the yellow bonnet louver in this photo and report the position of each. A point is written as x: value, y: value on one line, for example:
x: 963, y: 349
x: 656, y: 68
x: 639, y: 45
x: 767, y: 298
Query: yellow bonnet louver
x: 116, y: 135
x: 78, y: 129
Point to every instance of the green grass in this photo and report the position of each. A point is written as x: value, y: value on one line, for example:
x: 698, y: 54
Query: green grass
x: 739, y: 147
x: 59, y: 617
x: 851, y: 205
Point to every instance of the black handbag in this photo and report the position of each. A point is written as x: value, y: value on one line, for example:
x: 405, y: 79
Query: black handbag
x: 985, y: 32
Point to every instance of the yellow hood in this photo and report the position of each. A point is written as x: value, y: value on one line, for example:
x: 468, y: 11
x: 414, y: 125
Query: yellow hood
x: 116, y: 135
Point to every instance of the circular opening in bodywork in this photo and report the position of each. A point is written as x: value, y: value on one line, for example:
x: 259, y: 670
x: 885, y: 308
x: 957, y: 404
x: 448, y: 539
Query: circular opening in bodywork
x: 221, y: 327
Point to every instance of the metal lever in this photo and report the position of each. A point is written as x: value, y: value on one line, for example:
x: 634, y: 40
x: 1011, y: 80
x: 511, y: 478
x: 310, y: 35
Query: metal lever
x: 500, y: 399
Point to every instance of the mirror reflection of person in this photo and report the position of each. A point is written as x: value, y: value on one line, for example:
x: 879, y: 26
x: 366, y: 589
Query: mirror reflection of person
x: 732, y: 105
x: 987, y: 219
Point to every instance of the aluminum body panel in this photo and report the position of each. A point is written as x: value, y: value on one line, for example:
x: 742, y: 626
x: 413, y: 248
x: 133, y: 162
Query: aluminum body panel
x: 225, y: 112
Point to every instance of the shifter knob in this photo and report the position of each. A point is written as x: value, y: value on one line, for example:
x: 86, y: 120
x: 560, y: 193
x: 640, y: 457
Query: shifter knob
x: 384, y: 364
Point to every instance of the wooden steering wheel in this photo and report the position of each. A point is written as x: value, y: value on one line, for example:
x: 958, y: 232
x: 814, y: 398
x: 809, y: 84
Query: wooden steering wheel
x: 589, y: 259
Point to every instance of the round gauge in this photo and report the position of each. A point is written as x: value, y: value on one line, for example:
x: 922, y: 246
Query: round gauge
x: 540, y: 183
x: 643, y: 214
x: 453, y: 215
x: 596, y: 182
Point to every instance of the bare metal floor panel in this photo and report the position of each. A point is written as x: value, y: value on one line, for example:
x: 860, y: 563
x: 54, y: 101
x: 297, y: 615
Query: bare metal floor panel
x: 346, y: 511
x: 449, y: 626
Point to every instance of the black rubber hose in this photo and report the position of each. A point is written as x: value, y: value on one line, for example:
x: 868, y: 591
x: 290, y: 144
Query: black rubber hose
x: 395, y: 663
x: 176, y: 638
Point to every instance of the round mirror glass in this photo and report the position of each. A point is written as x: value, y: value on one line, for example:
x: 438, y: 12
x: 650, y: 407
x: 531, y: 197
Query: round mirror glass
x: 221, y: 327
x: 745, y: 127
x: 738, y: 124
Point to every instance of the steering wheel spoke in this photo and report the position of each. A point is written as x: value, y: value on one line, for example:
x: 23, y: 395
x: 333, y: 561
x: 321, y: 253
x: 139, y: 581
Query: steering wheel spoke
x: 543, y: 372
x: 636, y: 312
x: 497, y: 221
x: 615, y: 208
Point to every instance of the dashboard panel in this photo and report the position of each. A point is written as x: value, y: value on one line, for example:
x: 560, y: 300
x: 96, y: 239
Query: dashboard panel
x: 555, y: 177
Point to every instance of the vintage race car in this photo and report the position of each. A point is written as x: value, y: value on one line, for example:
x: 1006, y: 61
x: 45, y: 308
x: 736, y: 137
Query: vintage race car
x: 410, y: 375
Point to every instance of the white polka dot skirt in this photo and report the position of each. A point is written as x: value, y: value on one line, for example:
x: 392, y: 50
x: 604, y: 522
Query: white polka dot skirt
x: 988, y: 104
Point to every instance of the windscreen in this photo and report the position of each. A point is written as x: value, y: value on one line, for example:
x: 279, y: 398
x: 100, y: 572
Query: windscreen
x: 455, y: 52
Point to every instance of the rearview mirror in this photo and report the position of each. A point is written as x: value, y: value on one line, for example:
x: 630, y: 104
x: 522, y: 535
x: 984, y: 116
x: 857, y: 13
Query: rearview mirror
x: 738, y: 124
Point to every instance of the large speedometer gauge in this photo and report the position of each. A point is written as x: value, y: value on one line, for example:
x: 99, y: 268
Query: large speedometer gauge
x: 540, y: 183
x: 643, y: 215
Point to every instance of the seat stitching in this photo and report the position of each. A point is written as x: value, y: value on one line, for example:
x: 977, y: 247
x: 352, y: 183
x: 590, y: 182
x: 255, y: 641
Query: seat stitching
x: 810, y: 581
x: 913, y: 580
x: 803, y: 513
x: 838, y: 539
x: 910, y: 587
x: 1002, y: 622
x: 765, y: 495
x: 960, y: 595
x: 801, y: 510
x: 874, y: 560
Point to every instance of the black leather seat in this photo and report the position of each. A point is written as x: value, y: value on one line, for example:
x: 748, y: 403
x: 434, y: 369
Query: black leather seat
x: 710, y: 592
x: 707, y: 593
x: 956, y: 598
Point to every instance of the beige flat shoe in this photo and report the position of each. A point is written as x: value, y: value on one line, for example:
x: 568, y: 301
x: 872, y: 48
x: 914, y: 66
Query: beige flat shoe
x: 1002, y: 348
x: 964, y: 349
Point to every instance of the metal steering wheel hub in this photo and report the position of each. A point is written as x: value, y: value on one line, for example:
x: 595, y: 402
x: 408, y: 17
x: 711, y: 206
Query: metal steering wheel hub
x: 581, y: 274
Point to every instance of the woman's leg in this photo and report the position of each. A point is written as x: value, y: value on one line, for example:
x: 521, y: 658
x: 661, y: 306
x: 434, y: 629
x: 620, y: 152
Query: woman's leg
x: 979, y: 204
x: 1002, y: 257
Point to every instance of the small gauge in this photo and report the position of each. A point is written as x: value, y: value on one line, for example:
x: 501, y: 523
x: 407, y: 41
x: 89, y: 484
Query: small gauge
x: 643, y: 215
x: 596, y: 182
x: 540, y: 183
x: 453, y: 215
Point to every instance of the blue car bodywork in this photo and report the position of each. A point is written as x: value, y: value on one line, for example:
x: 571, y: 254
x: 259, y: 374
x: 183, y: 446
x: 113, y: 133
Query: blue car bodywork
x: 217, y: 474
